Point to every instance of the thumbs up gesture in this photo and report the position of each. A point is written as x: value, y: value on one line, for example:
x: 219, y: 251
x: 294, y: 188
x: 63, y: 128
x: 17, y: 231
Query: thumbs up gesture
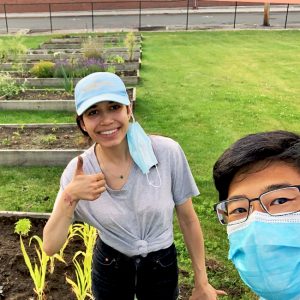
x: 83, y: 186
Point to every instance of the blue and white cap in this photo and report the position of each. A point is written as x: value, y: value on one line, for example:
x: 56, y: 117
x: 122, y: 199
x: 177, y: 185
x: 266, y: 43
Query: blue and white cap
x: 98, y: 87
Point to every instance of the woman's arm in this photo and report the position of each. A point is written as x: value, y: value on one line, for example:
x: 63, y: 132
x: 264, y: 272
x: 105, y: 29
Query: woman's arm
x: 88, y: 187
x: 193, y: 237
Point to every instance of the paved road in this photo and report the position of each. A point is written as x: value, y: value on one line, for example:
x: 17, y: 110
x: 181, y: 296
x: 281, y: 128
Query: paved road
x: 207, y: 18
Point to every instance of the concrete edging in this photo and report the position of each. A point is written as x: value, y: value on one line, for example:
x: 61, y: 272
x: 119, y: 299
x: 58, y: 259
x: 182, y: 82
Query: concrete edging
x: 59, y: 82
x: 38, y: 157
x: 24, y: 214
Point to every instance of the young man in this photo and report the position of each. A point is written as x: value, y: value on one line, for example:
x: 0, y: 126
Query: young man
x: 258, y: 180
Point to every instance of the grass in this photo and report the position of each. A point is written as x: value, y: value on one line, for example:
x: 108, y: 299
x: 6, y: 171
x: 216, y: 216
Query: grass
x: 26, y: 116
x: 205, y: 90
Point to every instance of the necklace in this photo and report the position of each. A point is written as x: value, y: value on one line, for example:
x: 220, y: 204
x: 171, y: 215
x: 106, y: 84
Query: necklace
x: 122, y: 176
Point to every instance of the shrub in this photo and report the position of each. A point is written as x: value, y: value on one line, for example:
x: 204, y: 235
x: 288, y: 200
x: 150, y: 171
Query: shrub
x: 92, y: 48
x: 8, y: 87
x: 111, y: 69
x: 43, y: 69
x: 13, y: 46
x: 130, y: 43
x: 115, y: 59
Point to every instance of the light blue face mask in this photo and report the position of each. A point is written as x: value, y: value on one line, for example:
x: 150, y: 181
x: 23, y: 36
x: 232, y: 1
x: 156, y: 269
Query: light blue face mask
x: 141, y: 150
x: 266, y: 252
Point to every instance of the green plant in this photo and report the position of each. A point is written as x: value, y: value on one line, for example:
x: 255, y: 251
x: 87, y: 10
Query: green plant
x: 92, y: 47
x: 43, y: 69
x: 12, y: 47
x: 23, y: 226
x: 111, y: 69
x: 37, y: 271
x: 82, y: 286
x: 115, y: 59
x: 16, y: 135
x: 130, y: 43
x: 48, y: 139
x: 3, y: 52
x: 9, y: 87
x: 5, y: 142
x: 17, y: 46
x: 68, y: 81
x: 58, y: 257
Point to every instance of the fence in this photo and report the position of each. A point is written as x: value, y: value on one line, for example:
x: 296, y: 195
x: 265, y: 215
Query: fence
x: 142, y: 15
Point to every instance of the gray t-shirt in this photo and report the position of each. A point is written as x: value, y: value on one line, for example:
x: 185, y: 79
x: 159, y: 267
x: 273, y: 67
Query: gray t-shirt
x: 138, y: 218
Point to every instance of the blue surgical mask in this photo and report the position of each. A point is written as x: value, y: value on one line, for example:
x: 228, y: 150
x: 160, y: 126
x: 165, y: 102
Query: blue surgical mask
x: 266, y: 252
x: 140, y: 148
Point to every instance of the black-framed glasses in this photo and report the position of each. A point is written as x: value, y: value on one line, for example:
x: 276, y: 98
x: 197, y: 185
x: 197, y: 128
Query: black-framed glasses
x: 282, y: 201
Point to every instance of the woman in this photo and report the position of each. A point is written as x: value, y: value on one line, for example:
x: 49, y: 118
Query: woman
x: 126, y: 185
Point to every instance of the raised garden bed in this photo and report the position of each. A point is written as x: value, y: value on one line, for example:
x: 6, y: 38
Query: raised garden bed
x: 40, y: 144
x: 45, y: 55
x: 59, y: 82
x: 126, y: 66
x: 41, y: 99
x: 15, y: 280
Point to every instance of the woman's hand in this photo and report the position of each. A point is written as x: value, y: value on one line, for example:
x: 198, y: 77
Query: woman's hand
x: 206, y: 292
x: 85, y: 187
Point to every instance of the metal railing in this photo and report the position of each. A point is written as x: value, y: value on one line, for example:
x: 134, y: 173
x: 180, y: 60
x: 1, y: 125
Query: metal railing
x: 136, y: 14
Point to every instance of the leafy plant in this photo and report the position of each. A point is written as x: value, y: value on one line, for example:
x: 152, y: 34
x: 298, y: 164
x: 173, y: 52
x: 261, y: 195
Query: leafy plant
x: 49, y: 138
x: 43, y: 69
x: 130, y: 43
x: 111, y: 69
x: 9, y: 87
x: 22, y: 226
x: 115, y: 59
x: 6, y: 142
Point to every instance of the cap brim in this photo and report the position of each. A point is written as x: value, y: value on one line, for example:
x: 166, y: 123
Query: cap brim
x: 104, y: 97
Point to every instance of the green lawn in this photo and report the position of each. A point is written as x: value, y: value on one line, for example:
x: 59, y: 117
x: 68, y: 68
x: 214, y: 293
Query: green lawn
x: 204, y: 89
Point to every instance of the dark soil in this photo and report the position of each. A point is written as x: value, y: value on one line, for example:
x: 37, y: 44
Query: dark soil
x: 42, y: 95
x: 15, y: 280
x: 14, y: 276
x: 52, y: 137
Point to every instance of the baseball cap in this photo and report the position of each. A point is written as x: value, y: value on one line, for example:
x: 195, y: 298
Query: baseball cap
x: 98, y: 87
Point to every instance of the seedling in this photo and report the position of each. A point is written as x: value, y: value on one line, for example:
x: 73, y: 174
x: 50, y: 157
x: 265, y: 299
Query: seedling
x: 48, y: 139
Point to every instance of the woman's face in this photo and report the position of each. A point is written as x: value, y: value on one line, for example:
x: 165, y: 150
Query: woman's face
x: 107, y: 123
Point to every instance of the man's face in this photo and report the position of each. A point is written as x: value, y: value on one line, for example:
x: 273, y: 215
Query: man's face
x: 262, y: 180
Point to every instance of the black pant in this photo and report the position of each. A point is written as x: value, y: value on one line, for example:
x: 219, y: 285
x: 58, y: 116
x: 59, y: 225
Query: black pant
x: 116, y: 276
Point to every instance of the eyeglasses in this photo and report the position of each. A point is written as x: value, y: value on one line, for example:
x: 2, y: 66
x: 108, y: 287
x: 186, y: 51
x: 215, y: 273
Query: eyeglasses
x: 277, y: 202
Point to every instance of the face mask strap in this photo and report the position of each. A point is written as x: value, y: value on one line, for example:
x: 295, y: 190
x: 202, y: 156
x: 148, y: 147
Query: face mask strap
x: 150, y: 183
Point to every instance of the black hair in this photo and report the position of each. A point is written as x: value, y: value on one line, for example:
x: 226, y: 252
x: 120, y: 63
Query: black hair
x: 248, y: 151
x: 78, y: 121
